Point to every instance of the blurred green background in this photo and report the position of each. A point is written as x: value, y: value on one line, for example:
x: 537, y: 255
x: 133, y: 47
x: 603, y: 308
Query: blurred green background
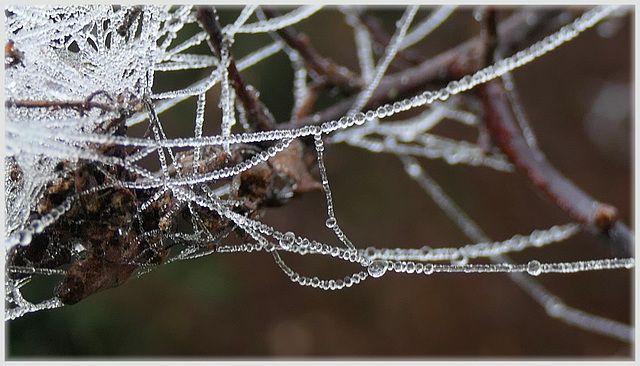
x: 242, y: 306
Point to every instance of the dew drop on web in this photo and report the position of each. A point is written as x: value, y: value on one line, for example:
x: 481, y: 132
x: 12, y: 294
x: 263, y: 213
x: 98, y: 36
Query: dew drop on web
x: 331, y: 222
x: 377, y: 268
x: 534, y: 268
x: 287, y: 240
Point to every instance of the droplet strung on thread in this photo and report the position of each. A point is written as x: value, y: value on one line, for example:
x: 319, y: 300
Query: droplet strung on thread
x: 428, y: 268
x: 377, y: 268
x: 477, y: 14
x: 287, y: 240
x: 331, y: 222
x: 534, y: 268
x: 359, y: 118
x: 460, y: 260
x: 38, y: 226
x: 25, y: 238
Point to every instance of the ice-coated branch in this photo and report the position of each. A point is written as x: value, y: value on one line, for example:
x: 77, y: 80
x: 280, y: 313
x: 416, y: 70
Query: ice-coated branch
x: 257, y: 114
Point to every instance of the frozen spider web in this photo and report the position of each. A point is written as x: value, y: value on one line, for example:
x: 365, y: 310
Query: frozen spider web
x: 78, y: 76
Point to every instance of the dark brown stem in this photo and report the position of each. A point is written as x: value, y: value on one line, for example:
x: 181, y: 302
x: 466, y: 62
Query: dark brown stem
x: 258, y: 117
x: 490, y: 33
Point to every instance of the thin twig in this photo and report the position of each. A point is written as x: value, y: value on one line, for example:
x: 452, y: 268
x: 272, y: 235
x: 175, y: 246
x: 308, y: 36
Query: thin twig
x: 257, y: 114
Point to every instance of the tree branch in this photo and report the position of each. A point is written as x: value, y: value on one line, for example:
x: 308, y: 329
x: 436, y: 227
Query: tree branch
x: 257, y: 114
x: 515, y: 33
x: 600, y: 219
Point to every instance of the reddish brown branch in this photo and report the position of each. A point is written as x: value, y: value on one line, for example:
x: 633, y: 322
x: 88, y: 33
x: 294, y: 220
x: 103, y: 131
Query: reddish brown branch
x: 258, y: 116
x: 598, y: 218
x: 500, y: 120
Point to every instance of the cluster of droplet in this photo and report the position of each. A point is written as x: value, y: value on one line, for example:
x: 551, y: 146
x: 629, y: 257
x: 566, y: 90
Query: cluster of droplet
x: 23, y: 236
x: 517, y: 243
x: 378, y: 262
x: 379, y: 267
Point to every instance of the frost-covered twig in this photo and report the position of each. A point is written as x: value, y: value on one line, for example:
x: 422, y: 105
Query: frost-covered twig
x: 259, y: 117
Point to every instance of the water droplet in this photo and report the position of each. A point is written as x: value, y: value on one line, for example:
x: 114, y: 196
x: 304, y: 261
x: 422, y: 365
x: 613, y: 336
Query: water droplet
x: 331, y: 222
x: 428, y: 96
x: 287, y: 240
x: 399, y: 266
x: 534, y: 268
x: 78, y: 248
x: 452, y: 87
x: 427, y: 269
x: 38, y: 227
x: 414, y: 170
x: 630, y: 263
x: 370, y: 115
x: 460, y: 260
x: 377, y: 268
x: 348, y: 282
x: 335, y: 251
x: 390, y: 110
x: 24, y: 238
x: 477, y: 14
x: 332, y: 284
x: 359, y: 118
x: 411, y: 267
x: 325, y: 249
x: 537, y: 238
x: 554, y: 308
x: 370, y: 252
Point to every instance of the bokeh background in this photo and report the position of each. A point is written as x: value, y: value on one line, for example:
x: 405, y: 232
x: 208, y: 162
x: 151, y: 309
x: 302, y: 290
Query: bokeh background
x: 241, y: 306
